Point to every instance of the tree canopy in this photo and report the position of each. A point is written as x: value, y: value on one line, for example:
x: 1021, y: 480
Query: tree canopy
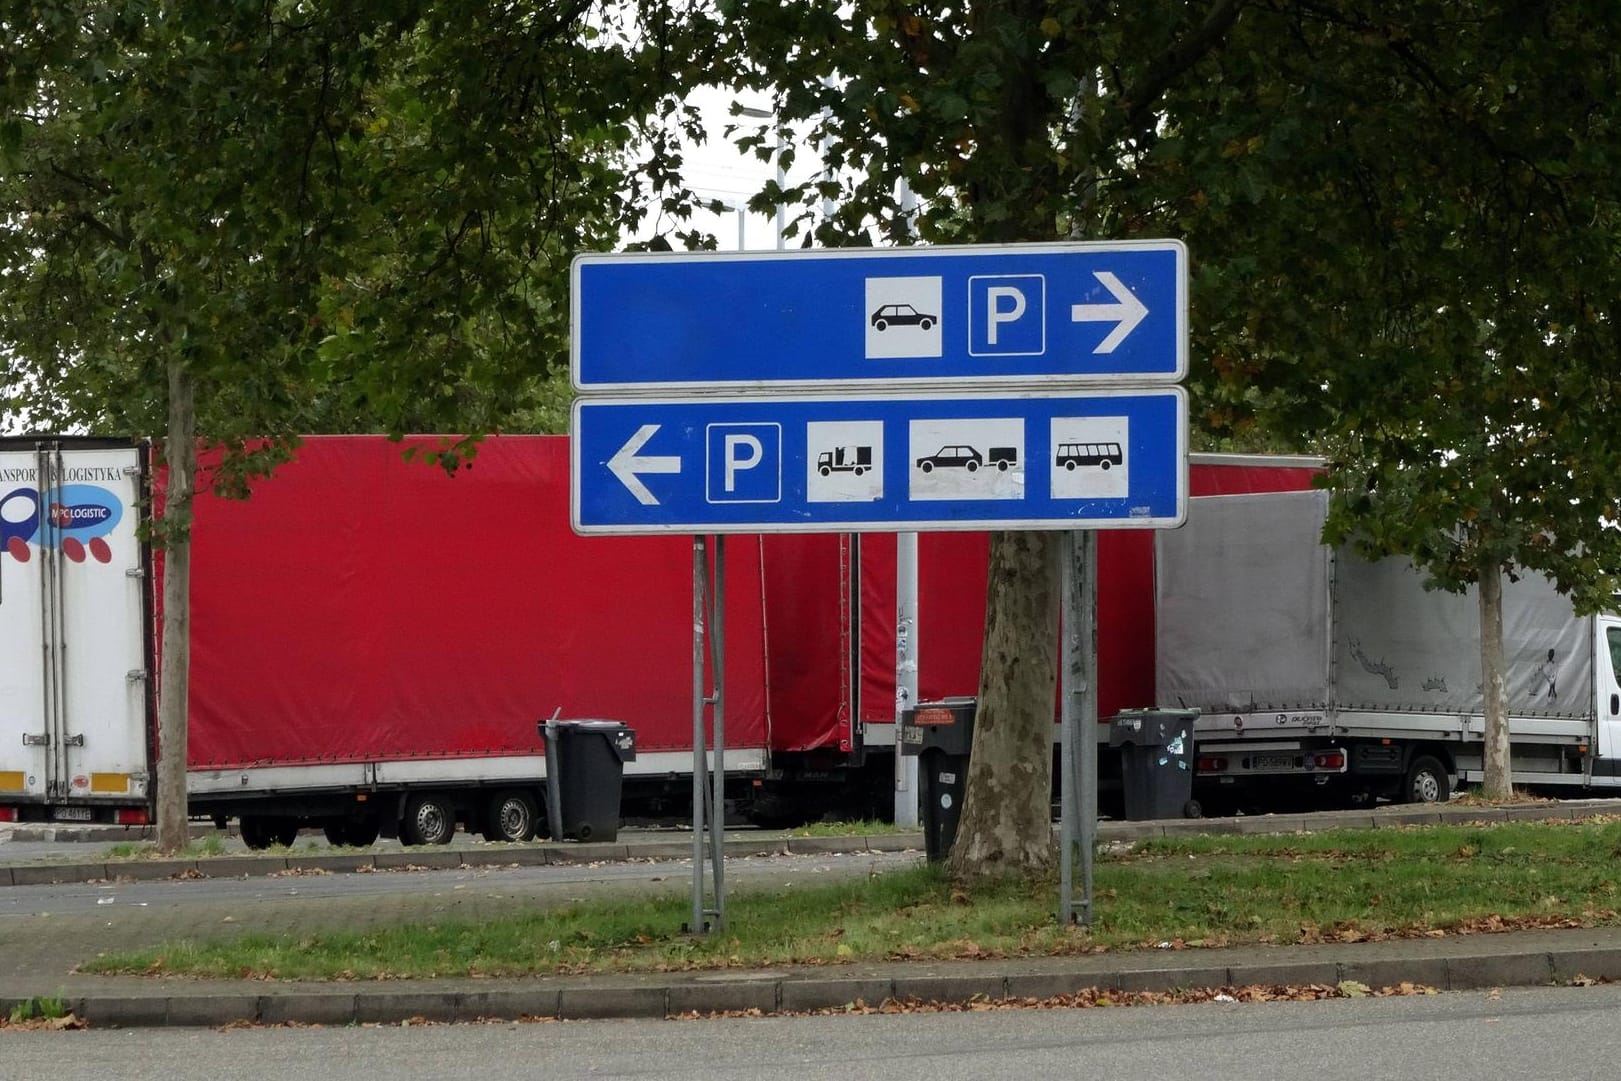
x: 336, y: 214
x: 1405, y: 222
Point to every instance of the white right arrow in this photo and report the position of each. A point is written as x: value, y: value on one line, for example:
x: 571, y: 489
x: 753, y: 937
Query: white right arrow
x: 627, y: 464
x: 1127, y: 310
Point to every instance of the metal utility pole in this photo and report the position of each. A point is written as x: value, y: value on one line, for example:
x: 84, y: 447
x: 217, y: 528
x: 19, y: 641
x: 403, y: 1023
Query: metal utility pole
x: 906, y: 661
x: 708, y: 784
x: 1078, y: 725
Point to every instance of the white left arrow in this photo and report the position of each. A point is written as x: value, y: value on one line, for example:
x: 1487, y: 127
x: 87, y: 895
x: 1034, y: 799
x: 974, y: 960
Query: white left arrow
x: 1126, y: 312
x: 627, y: 465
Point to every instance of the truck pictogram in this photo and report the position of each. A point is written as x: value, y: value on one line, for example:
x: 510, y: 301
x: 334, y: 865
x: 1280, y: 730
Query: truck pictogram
x: 855, y: 460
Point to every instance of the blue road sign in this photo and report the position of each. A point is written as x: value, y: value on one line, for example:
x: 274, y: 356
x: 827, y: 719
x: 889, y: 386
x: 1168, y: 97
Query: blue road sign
x: 1079, y: 459
x: 1068, y: 314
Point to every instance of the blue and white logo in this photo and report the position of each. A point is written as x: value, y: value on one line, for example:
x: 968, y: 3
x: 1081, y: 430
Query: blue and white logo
x: 744, y: 463
x: 1007, y: 315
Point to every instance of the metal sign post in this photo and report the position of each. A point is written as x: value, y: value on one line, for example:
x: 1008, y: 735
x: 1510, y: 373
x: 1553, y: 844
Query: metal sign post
x: 708, y: 783
x: 1078, y: 726
x: 906, y: 668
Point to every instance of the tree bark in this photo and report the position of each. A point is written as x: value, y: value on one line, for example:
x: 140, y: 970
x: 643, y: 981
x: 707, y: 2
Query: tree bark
x: 1006, y: 826
x: 180, y: 454
x: 1493, y: 685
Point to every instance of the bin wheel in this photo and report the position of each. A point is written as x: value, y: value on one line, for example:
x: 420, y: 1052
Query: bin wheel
x: 510, y: 816
x: 428, y: 820
x: 1192, y: 809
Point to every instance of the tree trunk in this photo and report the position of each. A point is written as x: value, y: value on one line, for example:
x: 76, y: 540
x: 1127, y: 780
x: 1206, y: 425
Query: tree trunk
x: 1493, y: 686
x: 1006, y: 826
x: 180, y: 454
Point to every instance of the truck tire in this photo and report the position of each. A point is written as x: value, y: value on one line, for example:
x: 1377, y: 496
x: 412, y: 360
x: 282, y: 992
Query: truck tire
x: 352, y: 832
x: 1426, y: 781
x: 429, y: 820
x: 256, y: 832
x: 510, y: 816
x: 284, y: 830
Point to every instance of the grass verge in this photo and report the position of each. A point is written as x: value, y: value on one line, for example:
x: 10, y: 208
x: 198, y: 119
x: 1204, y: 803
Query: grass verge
x: 212, y: 844
x: 1341, y: 885
x: 863, y: 828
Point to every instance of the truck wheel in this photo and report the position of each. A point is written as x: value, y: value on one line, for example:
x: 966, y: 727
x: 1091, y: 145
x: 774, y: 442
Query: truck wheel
x: 510, y: 816
x: 256, y: 832
x: 352, y: 832
x: 361, y: 832
x: 284, y: 831
x: 429, y: 820
x: 1426, y: 781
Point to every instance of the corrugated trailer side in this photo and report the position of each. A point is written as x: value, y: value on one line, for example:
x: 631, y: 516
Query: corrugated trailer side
x: 367, y: 622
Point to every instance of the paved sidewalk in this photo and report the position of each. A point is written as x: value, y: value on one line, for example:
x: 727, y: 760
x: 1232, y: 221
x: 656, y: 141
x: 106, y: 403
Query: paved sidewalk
x: 38, y: 953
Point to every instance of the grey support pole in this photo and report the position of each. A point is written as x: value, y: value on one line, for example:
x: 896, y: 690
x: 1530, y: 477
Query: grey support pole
x: 906, y: 663
x: 717, y: 805
x: 708, y: 789
x: 700, y: 766
x: 1078, y: 726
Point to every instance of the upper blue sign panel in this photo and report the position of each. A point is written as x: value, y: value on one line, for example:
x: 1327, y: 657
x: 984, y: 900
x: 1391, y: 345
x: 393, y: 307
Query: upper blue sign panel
x: 881, y: 318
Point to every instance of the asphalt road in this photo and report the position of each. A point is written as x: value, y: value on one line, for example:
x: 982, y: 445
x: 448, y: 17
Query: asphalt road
x: 1551, y: 1034
x: 551, y: 882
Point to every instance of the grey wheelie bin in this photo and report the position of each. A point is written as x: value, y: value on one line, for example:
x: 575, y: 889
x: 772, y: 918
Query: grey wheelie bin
x: 940, y: 734
x: 585, y: 771
x: 1156, y: 762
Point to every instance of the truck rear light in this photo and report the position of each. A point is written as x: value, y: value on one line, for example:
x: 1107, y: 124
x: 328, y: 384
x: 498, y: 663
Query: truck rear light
x: 1329, y: 760
x: 8, y: 814
x: 1212, y: 764
x: 131, y: 816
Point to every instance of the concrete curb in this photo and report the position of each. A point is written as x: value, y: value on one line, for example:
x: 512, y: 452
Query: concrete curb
x: 798, y: 992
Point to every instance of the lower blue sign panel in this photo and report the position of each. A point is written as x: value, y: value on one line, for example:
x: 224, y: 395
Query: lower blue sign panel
x: 1035, y: 460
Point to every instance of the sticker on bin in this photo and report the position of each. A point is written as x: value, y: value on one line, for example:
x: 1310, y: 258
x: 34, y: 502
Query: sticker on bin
x: 933, y: 716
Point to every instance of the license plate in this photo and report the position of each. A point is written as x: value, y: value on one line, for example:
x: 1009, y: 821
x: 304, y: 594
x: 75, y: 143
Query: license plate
x: 71, y: 814
x: 1272, y: 763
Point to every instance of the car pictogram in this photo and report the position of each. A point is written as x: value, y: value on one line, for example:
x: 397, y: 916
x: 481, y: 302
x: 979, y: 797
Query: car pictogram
x: 902, y: 315
x: 954, y: 456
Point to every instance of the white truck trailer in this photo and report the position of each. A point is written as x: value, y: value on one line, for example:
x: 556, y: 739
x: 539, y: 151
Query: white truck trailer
x: 1338, y: 680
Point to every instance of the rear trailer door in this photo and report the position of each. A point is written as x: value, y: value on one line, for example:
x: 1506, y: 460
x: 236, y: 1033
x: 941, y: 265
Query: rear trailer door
x: 73, y: 686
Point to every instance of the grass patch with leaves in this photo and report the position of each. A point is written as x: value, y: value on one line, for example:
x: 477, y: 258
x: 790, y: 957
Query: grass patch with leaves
x: 862, y: 828
x: 38, y: 1008
x: 1345, y: 885
x: 212, y: 844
